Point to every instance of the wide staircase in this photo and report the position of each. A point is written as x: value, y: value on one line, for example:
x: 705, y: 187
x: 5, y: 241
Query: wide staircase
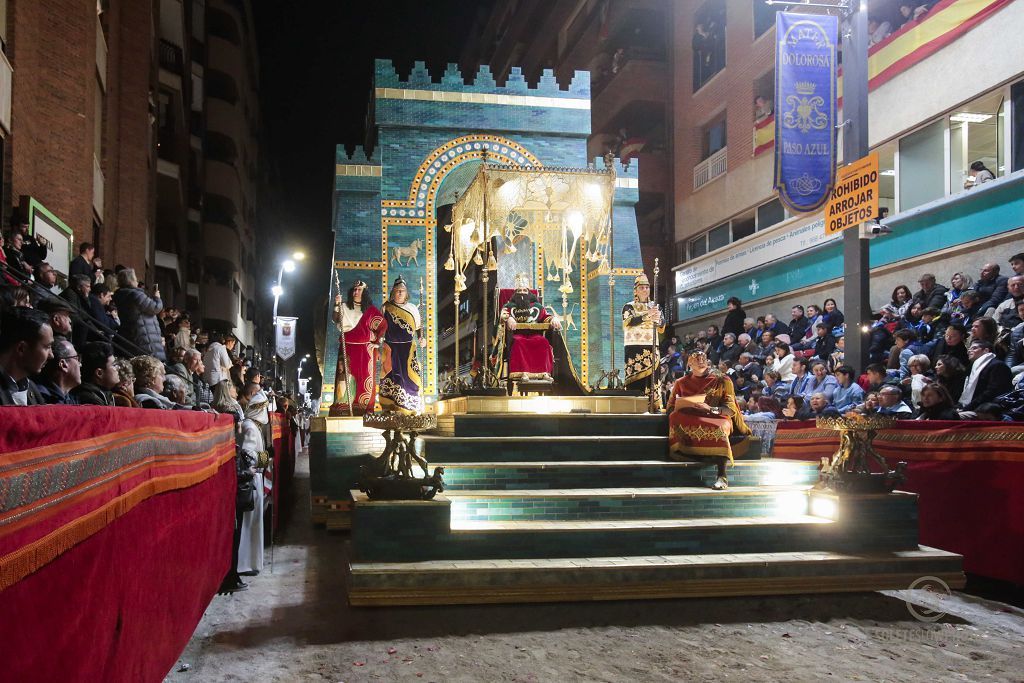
x: 569, y: 507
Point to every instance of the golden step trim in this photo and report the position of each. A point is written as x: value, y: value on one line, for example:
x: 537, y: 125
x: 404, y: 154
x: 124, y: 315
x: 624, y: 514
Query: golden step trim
x: 690, y: 588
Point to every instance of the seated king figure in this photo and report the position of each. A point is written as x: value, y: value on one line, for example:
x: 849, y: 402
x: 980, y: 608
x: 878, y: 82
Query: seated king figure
x: 530, y: 355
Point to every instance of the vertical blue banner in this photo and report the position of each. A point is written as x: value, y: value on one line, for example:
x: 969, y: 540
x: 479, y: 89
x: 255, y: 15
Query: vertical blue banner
x: 805, y: 109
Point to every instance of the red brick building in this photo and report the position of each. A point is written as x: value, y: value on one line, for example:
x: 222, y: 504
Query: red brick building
x: 104, y: 122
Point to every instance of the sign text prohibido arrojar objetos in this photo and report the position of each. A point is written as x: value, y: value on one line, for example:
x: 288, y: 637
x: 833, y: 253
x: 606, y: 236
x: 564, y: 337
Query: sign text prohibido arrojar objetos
x: 805, y: 109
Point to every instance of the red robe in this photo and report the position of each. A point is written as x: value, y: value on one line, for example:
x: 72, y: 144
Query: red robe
x: 361, y: 344
x: 697, y: 433
x: 530, y: 353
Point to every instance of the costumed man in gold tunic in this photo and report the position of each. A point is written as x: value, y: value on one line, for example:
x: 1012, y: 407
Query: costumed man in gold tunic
x: 703, y: 413
x: 639, y: 318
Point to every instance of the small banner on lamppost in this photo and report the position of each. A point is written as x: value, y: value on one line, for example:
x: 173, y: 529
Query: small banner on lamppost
x: 854, y: 199
x: 285, y: 342
x: 805, y: 109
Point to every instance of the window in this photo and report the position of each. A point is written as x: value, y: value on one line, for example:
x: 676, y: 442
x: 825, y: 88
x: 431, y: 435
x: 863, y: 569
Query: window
x: 3, y: 25
x: 680, y: 249
x: 769, y: 214
x: 698, y: 246
x: 1017, y: 126
x: 975, y: 137
x: 708, y: 42
x: 764, y: 16
x: 714, y: 136
x: 718, y: 237
x: 764, y: 94
x: 887, y: 177
x: 743, y: 225
x: 98, y: 116
x: 921, y: 172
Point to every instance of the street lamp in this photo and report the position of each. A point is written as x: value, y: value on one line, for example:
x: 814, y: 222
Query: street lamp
x: 287, y: 266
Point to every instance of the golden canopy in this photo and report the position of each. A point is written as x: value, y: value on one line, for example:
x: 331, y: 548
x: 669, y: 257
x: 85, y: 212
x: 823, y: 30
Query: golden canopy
x: 563, y: 210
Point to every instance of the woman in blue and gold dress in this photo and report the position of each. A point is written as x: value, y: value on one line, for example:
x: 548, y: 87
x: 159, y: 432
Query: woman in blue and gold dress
x: 401, y: 384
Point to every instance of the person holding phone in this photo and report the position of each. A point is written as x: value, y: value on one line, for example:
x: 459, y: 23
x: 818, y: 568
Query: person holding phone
x: 138, y: 311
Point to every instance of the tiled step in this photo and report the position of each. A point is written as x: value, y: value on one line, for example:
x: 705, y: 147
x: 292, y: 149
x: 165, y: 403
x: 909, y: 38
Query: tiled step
x: 471, y: 506
x: 618, y: 473
x: 563, y: 424
x: 552, y: 448
x: 546, y: 539
x: 644, y: 577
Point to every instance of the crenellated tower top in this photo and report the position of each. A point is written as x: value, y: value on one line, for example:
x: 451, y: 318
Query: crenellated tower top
x: 420, y: 78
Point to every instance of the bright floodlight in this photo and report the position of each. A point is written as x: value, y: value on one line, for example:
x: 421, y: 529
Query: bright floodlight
x: 299, y: 255
x: 277, y: 290
x: 289, y: 266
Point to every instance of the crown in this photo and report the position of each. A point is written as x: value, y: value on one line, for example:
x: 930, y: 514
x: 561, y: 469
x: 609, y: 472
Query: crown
x: 805, y: 87
x: 522, y: 281
x: 358, y: 283
x: 641, y: 279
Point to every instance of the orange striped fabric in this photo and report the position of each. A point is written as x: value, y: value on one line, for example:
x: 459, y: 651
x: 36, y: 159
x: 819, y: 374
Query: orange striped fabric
x: 55, y: 495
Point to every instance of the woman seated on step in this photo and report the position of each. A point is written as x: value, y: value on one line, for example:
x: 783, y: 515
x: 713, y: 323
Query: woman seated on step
x: 703, y: 413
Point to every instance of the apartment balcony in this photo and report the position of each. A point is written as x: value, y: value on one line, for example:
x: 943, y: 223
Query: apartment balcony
x: 228, y: 58
x: 714, y: 166
x: 221, y: 242
x: 222, y: 179
x: 220, y: 305
x: 635, y: 96
x: 220, y: 86
x: 227, y: 118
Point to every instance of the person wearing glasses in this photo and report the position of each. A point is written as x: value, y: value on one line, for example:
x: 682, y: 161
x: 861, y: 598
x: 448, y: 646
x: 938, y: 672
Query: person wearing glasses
x: 61, y: 374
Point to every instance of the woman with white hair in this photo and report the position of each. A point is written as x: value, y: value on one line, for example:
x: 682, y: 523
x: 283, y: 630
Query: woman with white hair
x: 138, y: 311
x: 149, y: 383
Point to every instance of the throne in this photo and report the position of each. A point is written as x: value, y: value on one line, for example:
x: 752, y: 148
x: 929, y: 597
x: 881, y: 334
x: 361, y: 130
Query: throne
x: 524, y: 384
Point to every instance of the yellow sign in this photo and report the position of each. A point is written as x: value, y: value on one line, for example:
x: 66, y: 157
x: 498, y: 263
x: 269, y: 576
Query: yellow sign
x: 854, y: 198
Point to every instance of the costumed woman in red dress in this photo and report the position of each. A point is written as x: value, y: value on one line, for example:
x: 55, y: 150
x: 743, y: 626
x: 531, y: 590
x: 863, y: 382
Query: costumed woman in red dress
x: 703, y: 413
x: 362, y: 326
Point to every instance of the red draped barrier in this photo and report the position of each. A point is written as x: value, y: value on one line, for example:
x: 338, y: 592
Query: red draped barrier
x: 115, y: 532
x: 970, y: 477
x: 284, y: 459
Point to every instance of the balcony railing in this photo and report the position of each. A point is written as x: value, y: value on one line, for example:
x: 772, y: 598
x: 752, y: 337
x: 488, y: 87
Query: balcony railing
x: 709, y: 169
x: 171, y: 57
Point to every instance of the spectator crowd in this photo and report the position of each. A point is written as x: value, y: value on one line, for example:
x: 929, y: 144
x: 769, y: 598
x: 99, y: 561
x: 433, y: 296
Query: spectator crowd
x: 940, y: 353
x: 106, y: 339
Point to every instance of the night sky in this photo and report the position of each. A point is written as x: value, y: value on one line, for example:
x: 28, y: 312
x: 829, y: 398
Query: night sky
x: 316, y: 67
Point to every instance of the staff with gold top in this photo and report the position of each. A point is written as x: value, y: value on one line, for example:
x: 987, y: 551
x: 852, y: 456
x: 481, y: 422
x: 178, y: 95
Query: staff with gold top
x: 362, y: 326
